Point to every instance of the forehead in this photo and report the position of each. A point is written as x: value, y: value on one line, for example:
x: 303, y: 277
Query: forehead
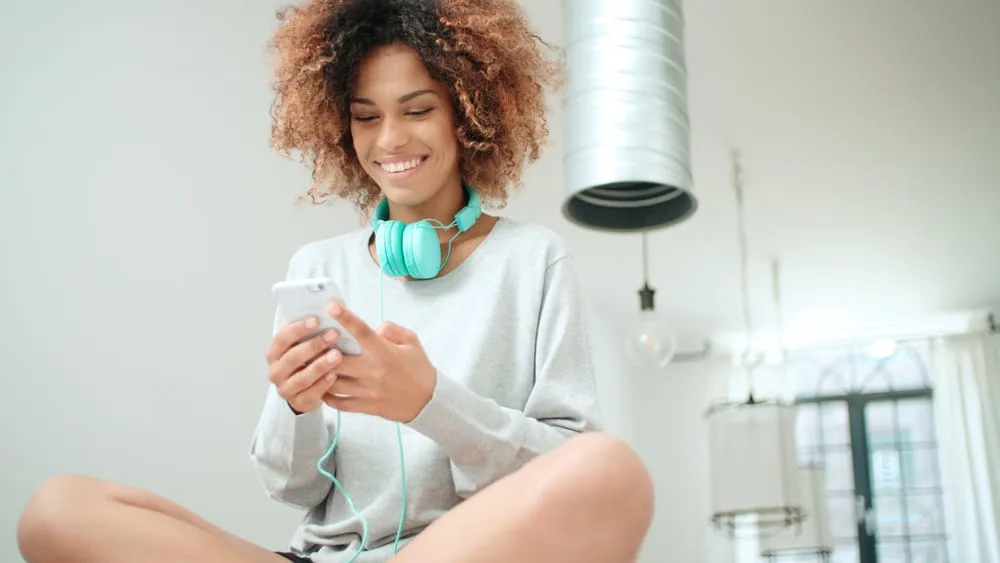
x: 391, y: 71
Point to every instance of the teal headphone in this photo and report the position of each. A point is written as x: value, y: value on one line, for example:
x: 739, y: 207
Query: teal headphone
x: 414, y: 249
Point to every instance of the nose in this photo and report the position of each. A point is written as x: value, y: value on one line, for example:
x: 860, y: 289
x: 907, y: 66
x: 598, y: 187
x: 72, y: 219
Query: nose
x: 392, y: 134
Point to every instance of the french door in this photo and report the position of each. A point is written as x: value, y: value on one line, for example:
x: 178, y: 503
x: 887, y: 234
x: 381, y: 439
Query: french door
x: 882, y: 479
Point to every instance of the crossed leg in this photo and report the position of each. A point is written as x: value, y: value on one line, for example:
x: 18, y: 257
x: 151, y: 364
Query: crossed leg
x: 75, y: 519
x: 589, y: 500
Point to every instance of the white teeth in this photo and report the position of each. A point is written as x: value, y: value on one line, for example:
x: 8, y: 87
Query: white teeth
x: 400, y: 166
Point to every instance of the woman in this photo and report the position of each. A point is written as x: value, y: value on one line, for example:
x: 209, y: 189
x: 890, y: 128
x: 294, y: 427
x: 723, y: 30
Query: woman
x: 479, y: 393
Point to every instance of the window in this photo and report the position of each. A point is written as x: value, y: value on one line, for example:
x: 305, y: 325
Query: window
x: 868, y: 419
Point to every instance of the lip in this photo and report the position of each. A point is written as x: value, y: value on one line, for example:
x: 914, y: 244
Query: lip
x: 405, y: 158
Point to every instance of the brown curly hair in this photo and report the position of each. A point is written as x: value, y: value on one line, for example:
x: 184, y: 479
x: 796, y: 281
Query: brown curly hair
x: 483, y: 51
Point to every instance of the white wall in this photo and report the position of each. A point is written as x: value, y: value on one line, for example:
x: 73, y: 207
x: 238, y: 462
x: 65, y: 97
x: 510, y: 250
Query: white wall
x: 669, y: 432
x: 143, y: 220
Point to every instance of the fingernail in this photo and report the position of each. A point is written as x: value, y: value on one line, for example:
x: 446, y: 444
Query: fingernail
x: 332, y: 356
x: 330, y: 335
x: 312, y: 322
x: 336, y: 309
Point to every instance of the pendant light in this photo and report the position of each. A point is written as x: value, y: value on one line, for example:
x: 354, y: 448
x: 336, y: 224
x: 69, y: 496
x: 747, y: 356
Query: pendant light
x: 651, y: 342
x: 627, y: 135
x: 754, y: 474
x: 812, y: 541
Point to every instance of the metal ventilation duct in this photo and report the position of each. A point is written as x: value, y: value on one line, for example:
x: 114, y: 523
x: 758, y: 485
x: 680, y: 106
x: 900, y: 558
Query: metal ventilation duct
x: 627, y: 159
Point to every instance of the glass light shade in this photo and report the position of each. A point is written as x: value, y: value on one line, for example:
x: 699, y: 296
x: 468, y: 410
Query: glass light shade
x: 755, y: 488
x: 651, y: 343
x: 813, y: 537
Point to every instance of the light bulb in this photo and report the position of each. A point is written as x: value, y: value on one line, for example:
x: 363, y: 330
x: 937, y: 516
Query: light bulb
x: 650, y: 343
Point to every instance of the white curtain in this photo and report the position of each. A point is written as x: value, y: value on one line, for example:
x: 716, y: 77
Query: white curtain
x: 966, y: 374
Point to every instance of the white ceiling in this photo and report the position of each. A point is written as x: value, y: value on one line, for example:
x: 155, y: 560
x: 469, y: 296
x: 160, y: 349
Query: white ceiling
x: 870, y: 135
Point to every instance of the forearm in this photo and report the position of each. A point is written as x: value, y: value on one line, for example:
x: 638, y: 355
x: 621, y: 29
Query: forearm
x: 486, y: 441
x: 285, y: 450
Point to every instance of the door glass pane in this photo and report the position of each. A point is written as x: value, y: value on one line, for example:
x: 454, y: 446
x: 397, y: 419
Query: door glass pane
x: 838, y: 465
x: 886, y: 470
x: 845, y: 553
x: 807, y: 434
x: 916, y: 422
x: 925, y: 516
x: 920, y: 469
x: 843, y: 523
x: 932, y: 551
x: 906, y: 488
x: 818, y: 426
x: 889, y: 517
x: 880, y: 420
x: 892, y: 552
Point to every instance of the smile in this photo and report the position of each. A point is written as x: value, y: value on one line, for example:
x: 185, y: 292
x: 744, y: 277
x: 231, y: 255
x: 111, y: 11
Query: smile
x: 400, y: 166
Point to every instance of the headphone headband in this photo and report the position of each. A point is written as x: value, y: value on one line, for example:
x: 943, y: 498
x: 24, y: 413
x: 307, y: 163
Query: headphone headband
x: 464, y: 219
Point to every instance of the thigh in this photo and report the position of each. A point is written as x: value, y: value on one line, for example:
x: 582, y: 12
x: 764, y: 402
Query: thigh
x: 152, y: 501
x: 561, y: 507
x: 123, y: 515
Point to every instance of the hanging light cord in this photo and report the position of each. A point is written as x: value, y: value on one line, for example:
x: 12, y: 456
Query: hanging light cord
x: 779, y: 309
x: 645, y: 260
x: 744, y: 273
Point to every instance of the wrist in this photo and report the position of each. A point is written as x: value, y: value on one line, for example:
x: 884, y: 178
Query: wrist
x: 426, y: 384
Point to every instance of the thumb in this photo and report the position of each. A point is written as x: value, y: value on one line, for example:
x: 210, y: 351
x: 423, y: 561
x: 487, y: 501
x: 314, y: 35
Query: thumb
x: 396, y: 334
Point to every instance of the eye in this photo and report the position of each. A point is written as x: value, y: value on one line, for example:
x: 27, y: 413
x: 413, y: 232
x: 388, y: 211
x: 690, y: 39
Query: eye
x: 364, y: 118
x: 419, y: 112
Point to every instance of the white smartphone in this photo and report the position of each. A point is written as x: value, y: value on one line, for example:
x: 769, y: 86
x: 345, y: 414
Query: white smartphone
x: 298, y: 299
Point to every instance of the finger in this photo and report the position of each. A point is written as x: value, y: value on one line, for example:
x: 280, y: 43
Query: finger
x: 287, y: 335
x: 354, y: 325
x: 358, y: 367
x: 307, y: 379
x: 395, y: 333
x: 348, y: 404
x: 302, y: 354
x: 349, y: 387
x: 306, y: 402
x: 312, y: 397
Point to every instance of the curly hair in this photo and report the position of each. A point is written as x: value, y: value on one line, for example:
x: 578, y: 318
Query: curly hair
x: 483, y: 51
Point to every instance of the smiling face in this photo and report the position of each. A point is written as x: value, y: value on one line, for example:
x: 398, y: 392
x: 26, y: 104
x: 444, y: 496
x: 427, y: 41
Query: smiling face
x: 403, y: 128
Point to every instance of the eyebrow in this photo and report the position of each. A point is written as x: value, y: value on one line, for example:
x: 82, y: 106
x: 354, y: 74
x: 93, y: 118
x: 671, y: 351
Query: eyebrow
x: 402, y: 99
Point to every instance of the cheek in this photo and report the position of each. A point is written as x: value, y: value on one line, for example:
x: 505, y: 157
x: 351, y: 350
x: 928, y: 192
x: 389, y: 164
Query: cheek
x: 360, y: 142
x: 444, y: 139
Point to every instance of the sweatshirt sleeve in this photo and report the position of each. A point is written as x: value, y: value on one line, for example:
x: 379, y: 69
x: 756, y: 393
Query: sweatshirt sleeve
x: 285, y: 450
x: 286, y: 447
x: 486, y: 441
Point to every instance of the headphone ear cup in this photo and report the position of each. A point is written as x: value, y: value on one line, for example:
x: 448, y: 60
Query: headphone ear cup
x: 421, y: 250
x: 388, y: 246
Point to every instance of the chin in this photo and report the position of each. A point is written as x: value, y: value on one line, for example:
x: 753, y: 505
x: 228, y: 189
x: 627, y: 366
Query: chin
x: 406, y: 196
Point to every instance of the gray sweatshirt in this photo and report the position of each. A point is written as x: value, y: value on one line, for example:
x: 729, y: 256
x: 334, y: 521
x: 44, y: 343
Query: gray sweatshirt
x: 507, y: 332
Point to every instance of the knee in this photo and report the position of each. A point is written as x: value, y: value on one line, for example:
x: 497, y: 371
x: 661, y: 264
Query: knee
x: 53, y: 509
x: 603, y: 477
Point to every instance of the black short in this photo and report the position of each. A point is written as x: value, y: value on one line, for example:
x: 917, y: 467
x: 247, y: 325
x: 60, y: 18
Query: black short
x: 294, y: 558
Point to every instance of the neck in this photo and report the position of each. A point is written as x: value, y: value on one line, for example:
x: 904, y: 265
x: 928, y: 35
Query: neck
x: 442, y: 208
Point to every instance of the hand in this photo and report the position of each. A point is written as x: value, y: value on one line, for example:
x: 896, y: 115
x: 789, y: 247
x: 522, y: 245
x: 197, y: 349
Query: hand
x: 302, y: 372
x: 392, y: 377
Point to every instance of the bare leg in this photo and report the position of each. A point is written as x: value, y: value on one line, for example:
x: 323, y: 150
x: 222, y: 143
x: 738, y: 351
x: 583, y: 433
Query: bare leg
x: 590, y: 500
x: 83, y: 520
